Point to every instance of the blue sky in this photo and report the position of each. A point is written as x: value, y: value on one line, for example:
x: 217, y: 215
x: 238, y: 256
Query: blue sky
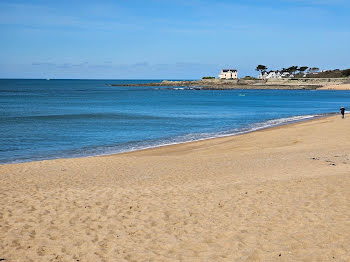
x: 163, y: 39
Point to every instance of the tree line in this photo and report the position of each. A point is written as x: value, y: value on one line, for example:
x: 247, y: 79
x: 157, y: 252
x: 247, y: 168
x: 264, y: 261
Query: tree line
x: 291, y: 70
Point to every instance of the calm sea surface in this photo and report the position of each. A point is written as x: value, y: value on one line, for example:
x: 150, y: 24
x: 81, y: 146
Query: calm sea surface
x: 42, y: 119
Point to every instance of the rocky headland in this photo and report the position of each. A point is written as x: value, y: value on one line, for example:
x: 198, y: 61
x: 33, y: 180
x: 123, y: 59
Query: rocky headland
x: 220, y: 84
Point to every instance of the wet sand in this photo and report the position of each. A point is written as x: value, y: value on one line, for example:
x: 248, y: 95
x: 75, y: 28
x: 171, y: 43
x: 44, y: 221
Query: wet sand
x: 279, y: 194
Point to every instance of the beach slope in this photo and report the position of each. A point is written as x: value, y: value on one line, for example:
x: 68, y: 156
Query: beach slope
x: 279, y: 194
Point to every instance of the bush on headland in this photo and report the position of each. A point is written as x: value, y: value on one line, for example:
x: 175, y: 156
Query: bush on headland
x: 208, y: 77
x: 249, y: 78
x: 346, y: 72
x: 331, y: 74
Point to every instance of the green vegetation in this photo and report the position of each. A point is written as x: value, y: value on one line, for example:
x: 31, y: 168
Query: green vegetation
x: 302, y: 69
x: 308, y: 72
x: 261, y: 68
x: 291, y: 70
x: 313, y: 70
x: 331, y: 74
x: 208, y: 77
x: 346, y: 72
x: 249, y: 78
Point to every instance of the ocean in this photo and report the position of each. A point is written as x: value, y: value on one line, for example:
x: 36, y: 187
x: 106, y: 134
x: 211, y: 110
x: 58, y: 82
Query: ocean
x: 41, y: 119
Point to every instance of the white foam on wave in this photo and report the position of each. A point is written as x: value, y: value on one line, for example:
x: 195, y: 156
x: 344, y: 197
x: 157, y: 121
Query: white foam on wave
x: 281, y: 121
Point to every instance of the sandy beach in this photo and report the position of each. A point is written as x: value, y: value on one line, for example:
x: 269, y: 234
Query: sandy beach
x: 335, y: 87
x: 279, y: 194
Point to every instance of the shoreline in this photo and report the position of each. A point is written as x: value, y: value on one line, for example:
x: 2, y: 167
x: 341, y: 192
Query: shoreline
x: 277, y: 193
x: 288, y: 121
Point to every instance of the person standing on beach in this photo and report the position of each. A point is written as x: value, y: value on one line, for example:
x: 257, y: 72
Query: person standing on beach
x: 342, y: 111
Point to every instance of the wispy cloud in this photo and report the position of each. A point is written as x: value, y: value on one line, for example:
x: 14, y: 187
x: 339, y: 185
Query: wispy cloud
x: 141, y: 68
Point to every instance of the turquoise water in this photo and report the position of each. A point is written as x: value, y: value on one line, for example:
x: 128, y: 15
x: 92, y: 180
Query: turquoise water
x: 42, y: 119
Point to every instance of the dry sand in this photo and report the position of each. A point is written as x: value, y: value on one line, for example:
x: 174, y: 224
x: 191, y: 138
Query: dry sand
x: 280, y: 194
x: 335, y: 87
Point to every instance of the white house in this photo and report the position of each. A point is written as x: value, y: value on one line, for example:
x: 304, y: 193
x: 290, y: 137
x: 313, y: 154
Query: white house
x: 228, y: 74
x: 270, y: 75
x: 274, y: 75
x: 286, y: 75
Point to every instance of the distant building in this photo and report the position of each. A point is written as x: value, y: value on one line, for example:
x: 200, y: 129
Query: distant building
x: 274, y: 75
x: 228, y: 74
x: 286, y: 75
